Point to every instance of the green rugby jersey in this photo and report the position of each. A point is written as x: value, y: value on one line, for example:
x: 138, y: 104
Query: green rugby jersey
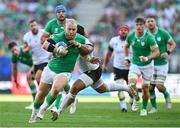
x: 53, y: 27
x: 66, y: 63
x: 162, y: 38
x: 25, y: 58
x: 141, y: 47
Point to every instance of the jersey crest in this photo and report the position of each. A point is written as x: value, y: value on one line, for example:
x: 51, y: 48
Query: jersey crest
x: 158, y: 38
x: 142, y: 43
x: 56, y: 30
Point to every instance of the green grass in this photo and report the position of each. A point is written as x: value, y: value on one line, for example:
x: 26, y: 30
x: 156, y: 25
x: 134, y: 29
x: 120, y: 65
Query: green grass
x: 95, y: 112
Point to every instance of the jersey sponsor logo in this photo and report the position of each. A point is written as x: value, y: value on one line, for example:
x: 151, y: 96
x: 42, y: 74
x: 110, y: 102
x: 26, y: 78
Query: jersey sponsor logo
x: 142, y: 43
x: 61, y: 44
x: 158, y: 38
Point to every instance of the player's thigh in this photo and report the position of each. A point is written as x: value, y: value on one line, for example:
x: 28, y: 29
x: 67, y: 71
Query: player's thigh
x: 77, y: 86
x: 61, y: 80
x: 147, y: 73
x: 99, y: 86
x: 160, y: 74
x: 134, y: 73
x: 47, y: 76
x: 38, y: 75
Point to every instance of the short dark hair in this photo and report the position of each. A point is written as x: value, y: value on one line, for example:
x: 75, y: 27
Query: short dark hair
x: 11, y: 45
x: 151, y: 16
x: 32, y: 20
x: 140, y: 19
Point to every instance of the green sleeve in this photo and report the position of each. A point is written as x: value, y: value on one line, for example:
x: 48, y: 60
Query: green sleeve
x: 128, y: 40
x: 152, y: 42
x: 167, y: 36
x: 13, y: 59
x: 48, y: 28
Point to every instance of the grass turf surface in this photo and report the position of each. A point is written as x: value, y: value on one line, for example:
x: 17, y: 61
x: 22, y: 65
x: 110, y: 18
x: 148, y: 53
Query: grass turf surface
x: 91, y: 112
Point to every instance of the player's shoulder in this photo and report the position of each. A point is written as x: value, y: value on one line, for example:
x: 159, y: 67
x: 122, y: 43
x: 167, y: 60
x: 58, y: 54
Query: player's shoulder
x: 115, y: 38
x: 162, y: 30
x: 27, y: 34
x: 58, y: 35
x: 131, y: 34
x: 41, y: 30
x: 147, y: 34
x: 52, y: 21
x: 80, y: 36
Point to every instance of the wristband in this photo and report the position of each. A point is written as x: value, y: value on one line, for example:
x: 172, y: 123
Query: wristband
x: 51, y: 41
x: 51, y: 48
x: 168, y: 52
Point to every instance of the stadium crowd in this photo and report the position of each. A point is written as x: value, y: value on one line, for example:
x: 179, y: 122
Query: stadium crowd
x: 119, y: 12
x: 14, y: 16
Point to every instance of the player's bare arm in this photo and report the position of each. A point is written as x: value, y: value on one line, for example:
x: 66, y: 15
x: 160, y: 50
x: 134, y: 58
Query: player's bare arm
x: 126, y: 50
x: 44, y: 37
x: 14, y: 72
x: 107, y: 59
x: 171, y: 46
x: 84, y: 48
x: 26, y: 47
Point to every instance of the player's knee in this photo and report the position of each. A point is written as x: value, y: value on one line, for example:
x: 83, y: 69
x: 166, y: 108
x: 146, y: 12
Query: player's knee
x: 102, y: 88
x: 77, y: 86
x: 40, y: 94
x: 75, y: 90
x: 56, y: 90
x: 29, y: 78
x: 160, y: 87
x: 132, y: 78
x: 121, y: 95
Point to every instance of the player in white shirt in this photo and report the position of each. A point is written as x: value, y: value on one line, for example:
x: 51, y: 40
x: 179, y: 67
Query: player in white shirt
x: 90, y: 76
x: 39, y: 55
x: 33, y: 43
x: 116, y: 47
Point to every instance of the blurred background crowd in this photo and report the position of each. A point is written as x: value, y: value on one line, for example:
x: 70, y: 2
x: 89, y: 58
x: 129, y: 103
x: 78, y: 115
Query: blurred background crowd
x: 14, y: 16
